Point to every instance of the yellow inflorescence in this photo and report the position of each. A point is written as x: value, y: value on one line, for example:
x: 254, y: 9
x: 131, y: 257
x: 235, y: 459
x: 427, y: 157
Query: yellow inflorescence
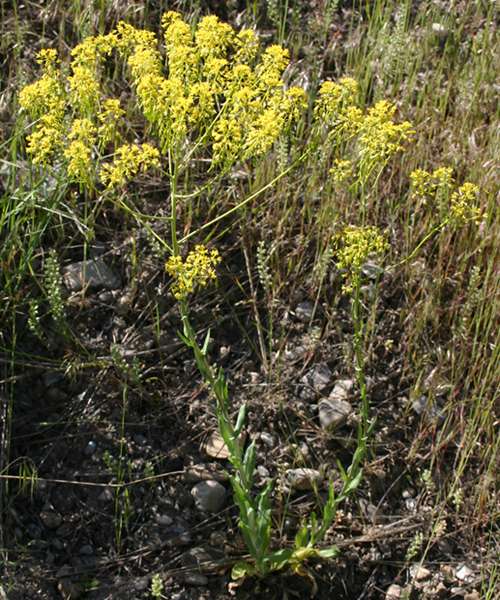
x: 463, y: 204
x: 341, y: 171
x: 213, y: 85
x: 380, y: 137
x: 356, y: 244
x: 109, y: 117
x: 129, y: 160
x: 196, y: 271
x: 78, y: 153
x: 459, y: 203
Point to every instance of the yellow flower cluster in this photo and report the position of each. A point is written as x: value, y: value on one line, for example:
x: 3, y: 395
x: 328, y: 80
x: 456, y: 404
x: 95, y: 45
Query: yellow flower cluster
x: 463, y: 204
x: 374, y: 135
x: 335, y: 106
x: 459, y: 204
x: 354, y: 246
x: 426, y: 185
x: 380, y: 137
x: 213, y: 88
x: 109, y: 116
x: 44, y: 100
x: 129, y: 160
x: 341, y: 171
x: 78, y: 153
x: 196, y: 271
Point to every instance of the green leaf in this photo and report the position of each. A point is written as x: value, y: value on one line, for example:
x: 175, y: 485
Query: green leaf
x: 240, y: 421
x: 242, y: 569
x: 301, y: 537
x: 204, y: 348
x: 331, y: 552
x: 279, y: 560
x: 353, y: 484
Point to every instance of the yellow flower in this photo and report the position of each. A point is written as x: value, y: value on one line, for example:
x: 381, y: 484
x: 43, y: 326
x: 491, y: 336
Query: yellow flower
x: 46, y: 139
x: 84, y: 90
x: 79, y: 151
x: 463, y: 204
x: 196, y: 271
x: 341, y: 170
x: 263, y: 133
x: 109, y: 118
x: 129, y: 160
x: 270, y: 69
x: 380, y: 137
x: 356, y: 244
x: 213, y: 38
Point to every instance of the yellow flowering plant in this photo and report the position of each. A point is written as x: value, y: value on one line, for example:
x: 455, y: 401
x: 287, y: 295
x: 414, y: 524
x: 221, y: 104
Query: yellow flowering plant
x: 212, y: 94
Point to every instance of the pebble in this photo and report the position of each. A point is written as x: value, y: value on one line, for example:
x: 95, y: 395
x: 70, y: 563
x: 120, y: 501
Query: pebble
x: 197, y: 579
x: 394, y: 592
x: 420, y: 573
x: 50, y: 519
x: 203, y: 472
x: 268, y: 439
x: 319, y: 377
x: 463, y: 573
x: 474, y: 595
x: 90, y: 448
x: 342, y: 389
x: 198, y: 557
x: 209, y: 496
x: 164, y: 520
x: 334, y: 413
x: 304, y: 311
x: 94, y: 274
x: 215, y: 446
x: 106, y: 495
x: 303, y: 479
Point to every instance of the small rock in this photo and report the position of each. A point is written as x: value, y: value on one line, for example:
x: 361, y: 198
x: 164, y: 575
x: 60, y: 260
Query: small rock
x: 463, y: 573
x: 141, y: 584
x: 69, y: 590
x: 334, y: 413
x: 215, y: 446
x: 92, y: 274
x: 263, y: 472
x: 321, y: 377
x: 394, y: 592
x: 140, y: 439
x: 90, y: 448
x: 209, y: 496
x: 304, y: 311
x: 440, y: 30
x: 420, y: 573
x: 203, y: 472
x: 197, y: 579
x: 474, y: 595
x: 342, y: 389
x: 50, y: 519
x: 106, y: 495
x: 198, y: 557
x: 164, y: 520
x: 303, y: 479
x: 268, y: 439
